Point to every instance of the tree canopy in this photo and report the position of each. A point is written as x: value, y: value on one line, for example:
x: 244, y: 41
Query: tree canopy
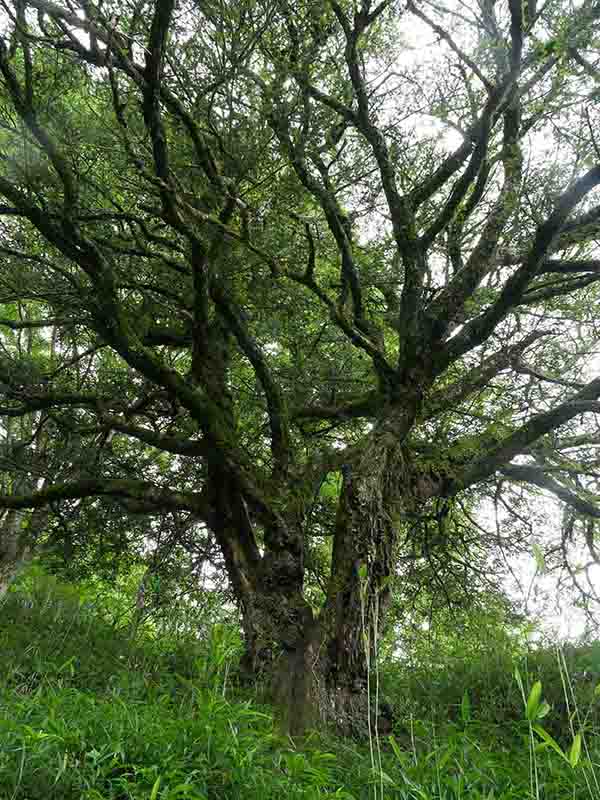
x: 293, y: 286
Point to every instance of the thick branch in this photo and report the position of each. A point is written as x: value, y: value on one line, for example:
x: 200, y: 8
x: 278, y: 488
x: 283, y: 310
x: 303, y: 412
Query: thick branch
x: 278, y: 417
x: 476, y: 331
x: 41, y: 402
x: 560, y: 267
x: 170, y: 444
x: 537, y: 476
x: 363, y: 407
x: 478, y: 377
x: 403, y: 221
x: 142, y: 492
x: 449, y: 303
x: 522, y: 439
x: 151, y: 90
x: 25, y: 324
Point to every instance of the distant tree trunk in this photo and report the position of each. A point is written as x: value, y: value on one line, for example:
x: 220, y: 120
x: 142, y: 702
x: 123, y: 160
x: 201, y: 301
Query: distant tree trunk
x: 18, y: 532
x: 13, y: 552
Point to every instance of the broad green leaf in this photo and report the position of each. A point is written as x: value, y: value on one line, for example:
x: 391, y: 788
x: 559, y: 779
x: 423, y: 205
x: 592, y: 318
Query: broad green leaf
x: 382, y: 776
x: 465, y: 707
x: 519, y: 681
x: 445, y: 757
x: 575, y: 751
x: 543, y: 710
x: 545, y: 736
x: 155, y: 788
x: 400, y: 755
x: 533, y: 701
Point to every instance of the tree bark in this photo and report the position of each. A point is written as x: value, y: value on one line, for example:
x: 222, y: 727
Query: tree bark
x: 375, y: 492
x: 312, y: 675
x: 319, y: 667
x: 17, y: 542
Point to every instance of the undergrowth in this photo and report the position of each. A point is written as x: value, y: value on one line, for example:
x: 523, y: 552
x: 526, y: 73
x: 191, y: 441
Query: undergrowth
x: 90, y: 712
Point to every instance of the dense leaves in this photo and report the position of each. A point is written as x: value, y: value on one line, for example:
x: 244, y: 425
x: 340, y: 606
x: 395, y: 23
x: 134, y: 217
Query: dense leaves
x: 302, y: 284
x: 88, y: 711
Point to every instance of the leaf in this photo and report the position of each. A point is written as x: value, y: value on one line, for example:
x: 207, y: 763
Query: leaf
x: 533, y: 702
x: 445, y: 757
x: 155, y: 788
x: 400, y: 755
x: 465, y: 707
x: 543, y: 734
x: 543, y: 710
x: 540, y: 559
x: 519, y: 681
x: 575, y: 751
x: 68, y: 665
x: 185, y: 791
x: 382, y: 776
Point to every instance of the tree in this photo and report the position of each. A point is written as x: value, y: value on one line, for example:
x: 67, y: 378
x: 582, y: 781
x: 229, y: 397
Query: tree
x: 286, y: 307
x: 23, y: 443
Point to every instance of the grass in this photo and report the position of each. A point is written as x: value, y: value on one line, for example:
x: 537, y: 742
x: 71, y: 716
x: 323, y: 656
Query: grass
x: 87, y: 713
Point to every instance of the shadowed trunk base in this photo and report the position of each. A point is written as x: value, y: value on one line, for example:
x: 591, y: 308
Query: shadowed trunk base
x: 300, y: 685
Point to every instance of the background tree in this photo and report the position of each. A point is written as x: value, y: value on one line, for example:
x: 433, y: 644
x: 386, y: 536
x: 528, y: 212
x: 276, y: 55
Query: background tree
x: 312, y: 288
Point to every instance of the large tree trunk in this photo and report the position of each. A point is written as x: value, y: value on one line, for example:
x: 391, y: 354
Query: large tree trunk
x: 313, y: 675
x: 320, y: 666
x: 375, y: 491
x: 317, y: 664
x: 284, y: 651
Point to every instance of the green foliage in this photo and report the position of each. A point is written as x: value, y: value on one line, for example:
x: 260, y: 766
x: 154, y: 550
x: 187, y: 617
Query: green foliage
x: 88, y: 713
x: 65, y: 743
x: 98, y: 631
x: 472, y: 649
x: 237, y: 267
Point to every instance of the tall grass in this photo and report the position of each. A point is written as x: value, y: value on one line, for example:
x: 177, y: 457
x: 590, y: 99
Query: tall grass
x: 87, y: 712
